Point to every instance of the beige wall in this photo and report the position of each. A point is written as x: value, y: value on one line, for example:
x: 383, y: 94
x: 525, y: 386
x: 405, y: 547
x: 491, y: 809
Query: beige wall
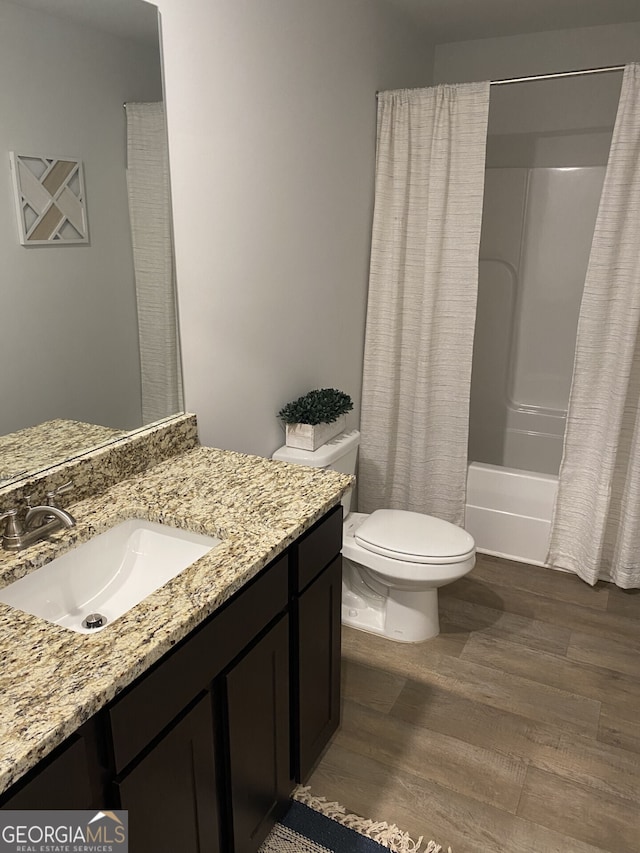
x: 68, y: 319
x: 271, y: 112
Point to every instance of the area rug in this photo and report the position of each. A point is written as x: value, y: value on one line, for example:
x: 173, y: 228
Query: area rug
x: 313, y: 825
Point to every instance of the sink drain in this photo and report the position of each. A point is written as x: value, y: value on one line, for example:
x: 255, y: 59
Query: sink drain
x: 94, y: 620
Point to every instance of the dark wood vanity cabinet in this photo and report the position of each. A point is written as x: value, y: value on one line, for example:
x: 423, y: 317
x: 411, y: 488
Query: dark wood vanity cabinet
x: 61, y: 778
x: 218, y: 778
x: 208, y: 725
x: 316, y: 568
x: 318, y: 671
x: 171, y: 794
x: 257, y: 703
x: 205, y: 747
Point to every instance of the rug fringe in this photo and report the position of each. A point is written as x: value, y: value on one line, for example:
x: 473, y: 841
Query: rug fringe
x: 387, y: 835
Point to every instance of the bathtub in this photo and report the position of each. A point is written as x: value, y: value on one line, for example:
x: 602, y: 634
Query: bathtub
x: 533, y: 440
x: 508, y: 511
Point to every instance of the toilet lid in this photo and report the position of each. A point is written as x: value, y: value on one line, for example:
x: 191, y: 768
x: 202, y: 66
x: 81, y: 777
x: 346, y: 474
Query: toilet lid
x: 413, y: 536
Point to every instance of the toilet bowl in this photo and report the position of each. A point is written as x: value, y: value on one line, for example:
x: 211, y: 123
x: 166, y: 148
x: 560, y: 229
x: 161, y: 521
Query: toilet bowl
x: 394, y: 592
x: 394, y: 561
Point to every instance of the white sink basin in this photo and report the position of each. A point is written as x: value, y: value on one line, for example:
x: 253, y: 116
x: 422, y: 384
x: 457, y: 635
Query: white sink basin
x: 108, y: 575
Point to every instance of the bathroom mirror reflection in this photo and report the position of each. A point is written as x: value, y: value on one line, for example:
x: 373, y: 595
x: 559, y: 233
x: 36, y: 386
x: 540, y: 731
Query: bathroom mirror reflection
x: 89, y: 331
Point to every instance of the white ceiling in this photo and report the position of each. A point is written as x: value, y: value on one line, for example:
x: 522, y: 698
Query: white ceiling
x: 444, y: 20
x: 459, y: 20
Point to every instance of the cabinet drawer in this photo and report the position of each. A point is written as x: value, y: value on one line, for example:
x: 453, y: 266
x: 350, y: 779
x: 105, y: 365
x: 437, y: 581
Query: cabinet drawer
x: 318, y: 548
x: 151, y: 703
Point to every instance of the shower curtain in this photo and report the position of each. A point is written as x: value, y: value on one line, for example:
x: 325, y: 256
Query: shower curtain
x: 422, y: 299
x: 596, y: 524
x: 150, y: 216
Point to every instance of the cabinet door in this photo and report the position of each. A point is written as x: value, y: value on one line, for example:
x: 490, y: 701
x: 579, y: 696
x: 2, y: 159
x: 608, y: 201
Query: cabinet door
x: 317, y: 703
x: 171, y: 794
x: 258, y: 719
x: 61, y: 782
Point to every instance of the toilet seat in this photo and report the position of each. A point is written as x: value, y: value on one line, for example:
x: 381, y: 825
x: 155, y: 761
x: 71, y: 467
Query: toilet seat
x: 395, y: 571
x: 412, y: 537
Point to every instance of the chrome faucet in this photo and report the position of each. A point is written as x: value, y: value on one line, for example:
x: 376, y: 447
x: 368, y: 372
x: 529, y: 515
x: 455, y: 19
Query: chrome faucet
x: 39, y: 522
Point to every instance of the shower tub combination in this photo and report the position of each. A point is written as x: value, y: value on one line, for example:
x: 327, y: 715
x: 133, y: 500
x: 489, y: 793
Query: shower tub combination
x: 536, y: 236
x: 508, y: 511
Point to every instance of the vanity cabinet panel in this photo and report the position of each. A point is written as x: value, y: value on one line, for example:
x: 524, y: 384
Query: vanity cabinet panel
x: 317, y: 692
x: 171, y: 793
x: 61, y: 781
x: 258, y: 731
x: 161, y: 693
x: 318, y: 547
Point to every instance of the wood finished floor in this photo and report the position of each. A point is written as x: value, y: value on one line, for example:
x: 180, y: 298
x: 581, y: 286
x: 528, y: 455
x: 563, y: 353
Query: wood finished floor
x: 516, y: 730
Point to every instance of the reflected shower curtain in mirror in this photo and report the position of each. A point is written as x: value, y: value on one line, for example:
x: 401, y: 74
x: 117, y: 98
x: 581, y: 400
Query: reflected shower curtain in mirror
x: 422, y: 299
x: 596, y: 524
x: 150, y: 214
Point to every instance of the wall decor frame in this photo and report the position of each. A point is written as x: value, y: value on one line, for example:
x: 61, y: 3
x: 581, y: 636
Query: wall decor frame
x: 50, y: 200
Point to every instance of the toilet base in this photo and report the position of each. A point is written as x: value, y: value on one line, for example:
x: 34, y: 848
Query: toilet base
x: 403, y: 616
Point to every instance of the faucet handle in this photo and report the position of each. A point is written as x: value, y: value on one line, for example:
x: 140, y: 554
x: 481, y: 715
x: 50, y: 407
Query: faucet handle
x: 61, y: 490
x: 13, y: 526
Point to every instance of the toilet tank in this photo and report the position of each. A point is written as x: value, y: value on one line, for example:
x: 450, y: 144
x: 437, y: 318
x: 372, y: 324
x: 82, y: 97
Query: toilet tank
x: 339, y: 454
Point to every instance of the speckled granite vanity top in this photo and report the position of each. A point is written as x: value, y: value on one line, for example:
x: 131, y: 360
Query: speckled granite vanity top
x: 52, y: 679
x: 49, y: 443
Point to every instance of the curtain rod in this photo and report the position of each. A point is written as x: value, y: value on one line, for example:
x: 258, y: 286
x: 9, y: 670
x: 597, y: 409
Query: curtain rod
x: 553, y: 75
x: 605, y: 69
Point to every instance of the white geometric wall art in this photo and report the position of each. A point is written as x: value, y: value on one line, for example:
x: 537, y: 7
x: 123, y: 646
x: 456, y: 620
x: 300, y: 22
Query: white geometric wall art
x: 50, y: 200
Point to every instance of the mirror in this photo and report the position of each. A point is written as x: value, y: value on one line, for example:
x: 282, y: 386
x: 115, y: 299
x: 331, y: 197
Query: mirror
x: 85, y: 357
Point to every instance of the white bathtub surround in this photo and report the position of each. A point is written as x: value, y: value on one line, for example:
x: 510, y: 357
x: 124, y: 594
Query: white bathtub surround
x: 509, y: 511
x: 536, y: 236
x: 422, y: 299
x: 533, y: 439
x: 596, y: 526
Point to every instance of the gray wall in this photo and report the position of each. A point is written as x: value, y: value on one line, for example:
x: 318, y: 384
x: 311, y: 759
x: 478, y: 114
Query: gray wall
x: 68, y: 320
x: 565, y: 122
x: 271, y: 111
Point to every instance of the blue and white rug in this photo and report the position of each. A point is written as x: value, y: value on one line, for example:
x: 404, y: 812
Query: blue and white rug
x: 312, y: 825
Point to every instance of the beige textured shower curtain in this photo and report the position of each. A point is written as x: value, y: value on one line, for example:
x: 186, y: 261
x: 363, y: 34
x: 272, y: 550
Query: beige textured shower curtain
x: 150, y: 217
x: 422, y: 299
x: 596, y: 524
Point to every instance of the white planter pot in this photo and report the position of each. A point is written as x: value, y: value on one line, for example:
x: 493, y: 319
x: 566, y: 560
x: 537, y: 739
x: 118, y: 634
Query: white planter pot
x: 313, y: 436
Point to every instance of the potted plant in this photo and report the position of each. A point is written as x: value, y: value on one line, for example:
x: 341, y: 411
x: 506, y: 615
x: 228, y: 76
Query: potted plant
x: 315, y: 418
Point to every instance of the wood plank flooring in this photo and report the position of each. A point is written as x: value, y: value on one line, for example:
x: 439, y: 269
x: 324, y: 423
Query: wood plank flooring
x: 516, y: 730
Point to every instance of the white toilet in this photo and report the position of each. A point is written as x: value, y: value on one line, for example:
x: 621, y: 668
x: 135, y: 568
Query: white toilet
x: 394, y: 560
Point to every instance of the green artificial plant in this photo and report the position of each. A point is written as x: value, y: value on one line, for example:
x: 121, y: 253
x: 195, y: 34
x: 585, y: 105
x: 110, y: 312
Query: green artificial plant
x: 323, y: 406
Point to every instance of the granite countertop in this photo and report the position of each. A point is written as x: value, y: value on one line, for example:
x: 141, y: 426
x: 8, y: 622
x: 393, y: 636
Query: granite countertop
x: 52, y: 680
x: 49, y: 443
